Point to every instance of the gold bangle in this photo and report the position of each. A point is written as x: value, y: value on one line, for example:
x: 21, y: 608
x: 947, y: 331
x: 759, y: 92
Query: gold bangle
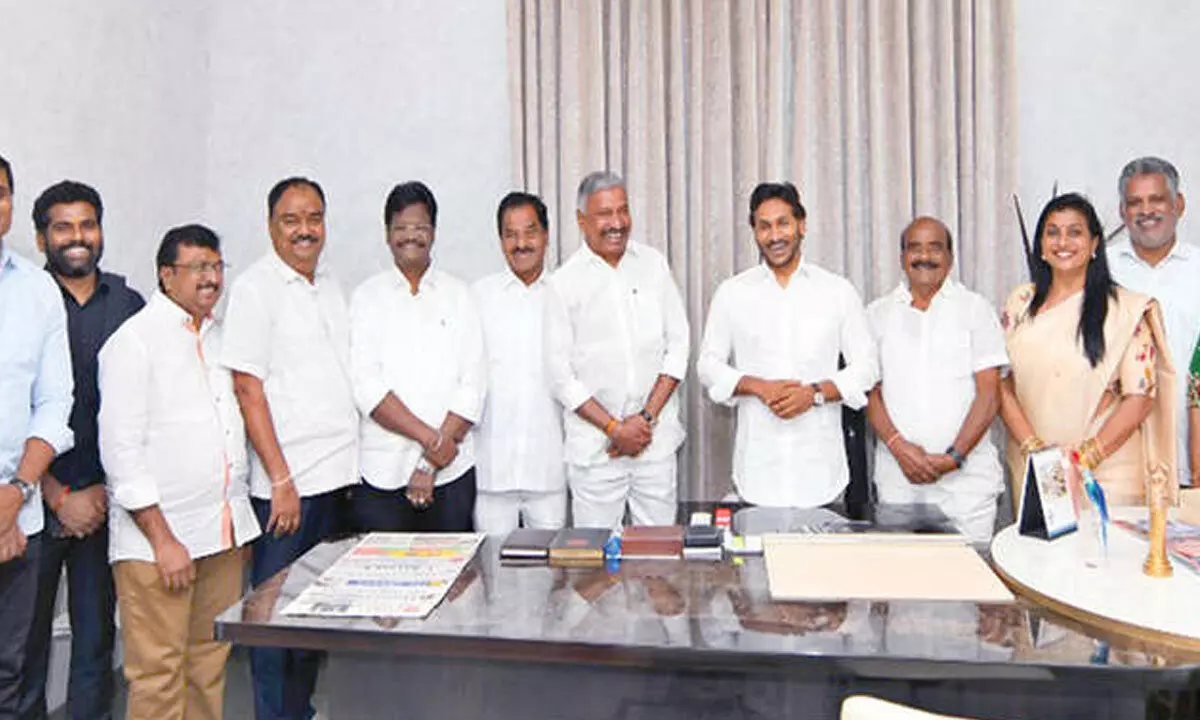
x: 608, y: 427
x: 1032, y: 444
x: 894, y: 437
x: 281, y: 481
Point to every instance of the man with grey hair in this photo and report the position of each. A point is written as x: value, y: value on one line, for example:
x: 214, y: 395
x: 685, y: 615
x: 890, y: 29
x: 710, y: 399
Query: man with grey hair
x: 616, y: 349
x: 1154, y: 261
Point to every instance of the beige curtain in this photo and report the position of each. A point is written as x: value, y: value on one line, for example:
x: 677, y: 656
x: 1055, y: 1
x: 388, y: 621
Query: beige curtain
x: 878, y: 110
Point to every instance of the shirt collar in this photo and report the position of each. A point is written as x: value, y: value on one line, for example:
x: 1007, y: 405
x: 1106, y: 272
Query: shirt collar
x: 903, y: 295
x: 1180, y: 250
x: 512, y: 281
x: 631, y: 250
x: 6, y: 259
x: 289, y: 274
x: 177, y: 314
x: 766, y: 274
x: 428, y: 280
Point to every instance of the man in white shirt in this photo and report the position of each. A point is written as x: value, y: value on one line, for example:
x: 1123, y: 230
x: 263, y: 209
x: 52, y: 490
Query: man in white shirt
x: 616, y: 349
x: 785, y: 322
x: 419, y: 379
x: 940, y: 354
x: 519, y: 448
x: 174, y: 448
x: 287, y: 342
x: 1154, y: 261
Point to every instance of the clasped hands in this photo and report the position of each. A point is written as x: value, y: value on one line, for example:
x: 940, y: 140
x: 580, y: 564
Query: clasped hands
x: 785, y: 398
x: 630, y: 436
x: 919, y: 466
x: 440, y: 451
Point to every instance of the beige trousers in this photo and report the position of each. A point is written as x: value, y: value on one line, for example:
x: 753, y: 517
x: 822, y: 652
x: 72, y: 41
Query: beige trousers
x: 174, y: 667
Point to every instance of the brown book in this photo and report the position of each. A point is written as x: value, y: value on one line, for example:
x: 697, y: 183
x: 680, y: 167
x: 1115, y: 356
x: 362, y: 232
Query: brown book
x: 652, y: 541
x: 579, y: 546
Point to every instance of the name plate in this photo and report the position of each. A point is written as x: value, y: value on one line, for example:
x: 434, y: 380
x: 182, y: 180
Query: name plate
x: 1047, y: 510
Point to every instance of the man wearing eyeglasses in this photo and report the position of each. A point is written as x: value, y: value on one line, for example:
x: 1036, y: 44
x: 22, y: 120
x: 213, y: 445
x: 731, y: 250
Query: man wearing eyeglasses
x: 68, y: 218
x: 287, y: 341
x: 174, y: 447
x: 35, y: 404
x: 419, y: 378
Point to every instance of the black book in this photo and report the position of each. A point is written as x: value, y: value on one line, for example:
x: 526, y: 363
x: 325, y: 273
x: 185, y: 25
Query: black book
x: 707, y: 536
x: 527, y: 544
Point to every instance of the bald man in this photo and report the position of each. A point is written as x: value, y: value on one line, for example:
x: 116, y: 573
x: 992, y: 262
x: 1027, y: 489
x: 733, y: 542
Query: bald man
x: 941, y: 351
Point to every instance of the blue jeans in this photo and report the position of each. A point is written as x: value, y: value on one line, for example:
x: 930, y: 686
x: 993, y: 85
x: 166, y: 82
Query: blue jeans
x: 284, y: 679
x: 91, y: 603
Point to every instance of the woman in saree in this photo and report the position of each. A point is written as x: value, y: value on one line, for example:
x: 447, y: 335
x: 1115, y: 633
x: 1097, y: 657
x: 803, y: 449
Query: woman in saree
x: 1089, y: 367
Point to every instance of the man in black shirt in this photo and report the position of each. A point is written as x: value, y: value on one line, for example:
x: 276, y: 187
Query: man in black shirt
x: 68, y: 218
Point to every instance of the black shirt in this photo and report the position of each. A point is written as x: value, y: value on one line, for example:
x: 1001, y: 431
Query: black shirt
x: 88, y: 326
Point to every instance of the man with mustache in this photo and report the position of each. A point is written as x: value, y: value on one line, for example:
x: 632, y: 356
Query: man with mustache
x: 68, y: 218
x: 519, y: 455
x: 419, y: 371
x: 35, y: 406
x: 785, y: 322
x: 616, y: 350
x: 174, y: 446
x: 940, y: 354
x: 287, y: 342
x: 1153, y: 260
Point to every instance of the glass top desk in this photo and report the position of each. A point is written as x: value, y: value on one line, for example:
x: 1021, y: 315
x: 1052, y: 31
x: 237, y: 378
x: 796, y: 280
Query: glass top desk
x: 667, y: 638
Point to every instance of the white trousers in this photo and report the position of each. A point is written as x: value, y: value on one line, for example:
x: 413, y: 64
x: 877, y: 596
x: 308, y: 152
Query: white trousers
x: 599, y: 493
x: 973, y: 513
x: 499, y: 513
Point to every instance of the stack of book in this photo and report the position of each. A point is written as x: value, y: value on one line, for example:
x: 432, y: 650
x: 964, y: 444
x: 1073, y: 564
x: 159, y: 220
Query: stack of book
x: 702, y: 542
x: 527, y: 546
x: 579, y: 547
x: 652, y: 542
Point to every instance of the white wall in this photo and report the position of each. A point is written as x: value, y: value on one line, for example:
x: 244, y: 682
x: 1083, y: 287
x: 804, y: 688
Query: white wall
x: 182, y: 112
x: 1102, y: 82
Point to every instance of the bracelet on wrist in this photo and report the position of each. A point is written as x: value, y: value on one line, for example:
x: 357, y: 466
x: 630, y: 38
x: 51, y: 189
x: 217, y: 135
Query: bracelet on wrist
x: 610, y: 425
x: 280, y: 482
x: 62, y: 498
x: 891, y: 439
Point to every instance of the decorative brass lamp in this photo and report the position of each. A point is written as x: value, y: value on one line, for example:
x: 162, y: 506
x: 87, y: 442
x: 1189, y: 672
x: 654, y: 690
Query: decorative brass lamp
x: 1158, y: 497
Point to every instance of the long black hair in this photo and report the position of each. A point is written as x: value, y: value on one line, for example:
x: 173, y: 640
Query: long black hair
x: 1098, y: 284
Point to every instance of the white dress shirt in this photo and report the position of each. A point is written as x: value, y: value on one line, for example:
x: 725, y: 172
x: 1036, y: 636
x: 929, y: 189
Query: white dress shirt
x: 171, y: 434
x: 610, y: 332
x: 520, y: 437
x: 427, y: 350
x: 294, y: 336
x: 792, y: 333
x: 1175, y: 283
x: 927, y: 365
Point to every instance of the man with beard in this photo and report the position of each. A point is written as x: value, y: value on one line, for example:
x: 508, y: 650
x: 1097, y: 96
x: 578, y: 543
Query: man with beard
x: 35, y: 407
x: 940, y: 353
x: 1153, y: 260
x: 174, y: 447
x: 785, y: 322
x: 616, y: 350
x: 419, y: 378
x: 69, y: 218
x: 287, y: 341
x: 519, y: 452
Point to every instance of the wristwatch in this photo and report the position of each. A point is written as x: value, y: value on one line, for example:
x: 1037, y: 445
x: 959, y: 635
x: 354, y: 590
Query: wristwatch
x: 27, y: 489
x: 956, y: 456
x: 647, y: 416
x: 818, y: 396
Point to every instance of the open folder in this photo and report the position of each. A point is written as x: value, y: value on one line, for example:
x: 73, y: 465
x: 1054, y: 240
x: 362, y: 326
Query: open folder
x: 812, y: 568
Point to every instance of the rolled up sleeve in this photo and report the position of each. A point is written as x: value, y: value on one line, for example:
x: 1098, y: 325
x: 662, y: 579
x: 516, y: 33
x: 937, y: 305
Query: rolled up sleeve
x: 467, y: 402
x: 559, y: 338
x: 858, y: 349
x: 124, y: 365
x: 53, y: 390
x: 366, y: 364
x: 712, y: 365
x: 246, y: 343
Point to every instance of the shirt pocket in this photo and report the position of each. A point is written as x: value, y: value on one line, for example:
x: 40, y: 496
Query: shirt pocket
x: 952, y: 353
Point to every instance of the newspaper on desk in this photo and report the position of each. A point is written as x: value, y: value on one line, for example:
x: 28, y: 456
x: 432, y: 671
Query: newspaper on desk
x: 400, y: 575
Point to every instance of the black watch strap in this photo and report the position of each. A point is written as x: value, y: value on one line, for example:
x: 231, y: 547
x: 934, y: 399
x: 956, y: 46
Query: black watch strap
x: 956, y: 456
x: 647, y: 416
